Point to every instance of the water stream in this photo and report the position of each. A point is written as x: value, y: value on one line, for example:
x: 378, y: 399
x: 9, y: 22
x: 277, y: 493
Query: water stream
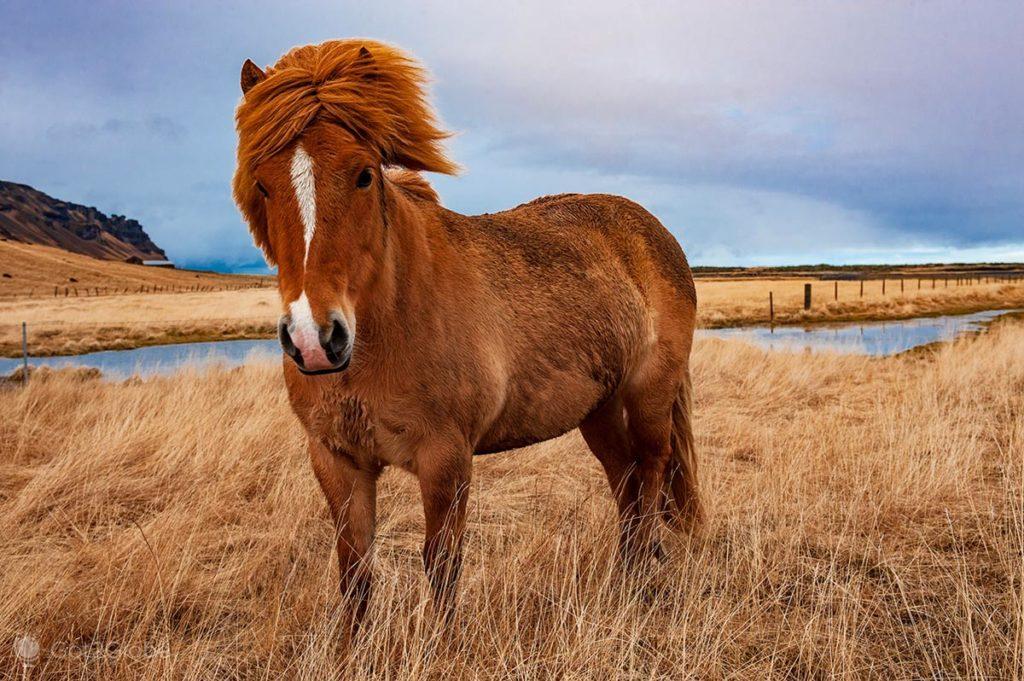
x: 865, y: 338
x: 861, y: 338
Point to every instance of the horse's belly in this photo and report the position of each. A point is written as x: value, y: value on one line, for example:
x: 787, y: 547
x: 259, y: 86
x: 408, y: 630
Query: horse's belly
x: 541, y: 410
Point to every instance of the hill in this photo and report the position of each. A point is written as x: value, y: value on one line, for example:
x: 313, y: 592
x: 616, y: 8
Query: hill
x: 32, y: 269
x: 30, y: 216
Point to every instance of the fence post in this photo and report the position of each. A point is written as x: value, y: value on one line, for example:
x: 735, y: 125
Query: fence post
x: 771, y: 307
x: 24, y: 353
x: 807, y: 296
x: 861, y: 288
x: 901, y: 284
x: 883, y: 286
x: 837, y: 289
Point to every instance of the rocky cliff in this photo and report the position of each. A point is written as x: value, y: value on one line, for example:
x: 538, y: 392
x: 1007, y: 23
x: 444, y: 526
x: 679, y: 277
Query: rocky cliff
x: 30, y: 216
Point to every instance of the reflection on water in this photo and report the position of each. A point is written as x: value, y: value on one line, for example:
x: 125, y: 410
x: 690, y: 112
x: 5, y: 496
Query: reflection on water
x: 867, y: 338
x: 159, y: 359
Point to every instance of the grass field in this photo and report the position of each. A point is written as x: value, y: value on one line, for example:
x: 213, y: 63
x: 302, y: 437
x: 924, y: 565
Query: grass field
x: 99, y: 305
x: 68, y: 326
x: 85, y: 324
x: 866, y: 521
x: 738, y: 302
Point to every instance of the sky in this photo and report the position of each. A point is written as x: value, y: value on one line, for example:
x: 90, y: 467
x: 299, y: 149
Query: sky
x: 760, y: 133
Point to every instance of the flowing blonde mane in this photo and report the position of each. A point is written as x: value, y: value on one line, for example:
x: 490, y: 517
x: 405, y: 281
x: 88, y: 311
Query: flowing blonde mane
x: 374, y: 90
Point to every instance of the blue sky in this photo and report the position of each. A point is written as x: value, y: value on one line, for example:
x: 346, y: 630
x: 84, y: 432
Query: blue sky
x: 760, y: 133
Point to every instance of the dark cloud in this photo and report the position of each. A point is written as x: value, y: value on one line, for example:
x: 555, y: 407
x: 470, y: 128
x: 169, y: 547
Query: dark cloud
x: 155, y: 127
x: 757, y: 132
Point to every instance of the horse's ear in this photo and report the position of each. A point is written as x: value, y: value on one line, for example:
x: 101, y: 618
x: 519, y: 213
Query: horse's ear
x: 251, y: 75
x: 366, y: 64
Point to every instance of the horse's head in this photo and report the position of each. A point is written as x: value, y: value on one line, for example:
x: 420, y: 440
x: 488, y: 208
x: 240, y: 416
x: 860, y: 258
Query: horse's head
x: 323, y: 200
x: 315, y: 132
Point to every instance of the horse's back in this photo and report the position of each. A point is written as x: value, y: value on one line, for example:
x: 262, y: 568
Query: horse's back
x: 593, y: 231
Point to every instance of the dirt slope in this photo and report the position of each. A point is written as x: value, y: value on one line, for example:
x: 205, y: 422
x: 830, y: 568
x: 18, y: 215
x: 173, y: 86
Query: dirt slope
x: 31, y: 269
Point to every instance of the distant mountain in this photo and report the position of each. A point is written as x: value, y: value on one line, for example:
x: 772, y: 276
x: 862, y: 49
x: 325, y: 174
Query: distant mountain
x: 30, y: 216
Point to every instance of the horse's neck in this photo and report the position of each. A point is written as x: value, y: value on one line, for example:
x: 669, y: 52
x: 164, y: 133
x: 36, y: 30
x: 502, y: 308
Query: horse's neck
x: 405, y: 286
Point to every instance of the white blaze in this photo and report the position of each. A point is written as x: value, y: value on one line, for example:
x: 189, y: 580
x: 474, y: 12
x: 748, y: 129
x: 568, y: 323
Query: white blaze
x: 304, y: 331
x: 305, y: 193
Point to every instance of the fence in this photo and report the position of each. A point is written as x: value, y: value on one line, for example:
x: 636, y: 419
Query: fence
x: 958, y: 279
x: 72, y: 291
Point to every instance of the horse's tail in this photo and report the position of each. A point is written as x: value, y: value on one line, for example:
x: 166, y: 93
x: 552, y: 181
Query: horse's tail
x: 682, y: 508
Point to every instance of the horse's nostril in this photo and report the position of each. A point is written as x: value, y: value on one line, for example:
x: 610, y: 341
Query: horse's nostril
x: 335, y: 345
x: 286, y: 340
x: 339, y: 337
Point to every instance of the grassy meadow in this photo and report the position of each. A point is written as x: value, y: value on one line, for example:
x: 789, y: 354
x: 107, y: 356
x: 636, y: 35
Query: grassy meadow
x: 866, y: 521
x: 741, y: 302
x: 72, y: 326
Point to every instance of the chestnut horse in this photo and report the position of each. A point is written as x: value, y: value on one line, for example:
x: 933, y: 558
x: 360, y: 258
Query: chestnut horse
x: 419, y: 337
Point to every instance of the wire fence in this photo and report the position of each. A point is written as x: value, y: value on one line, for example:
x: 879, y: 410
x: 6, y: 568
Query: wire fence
x: 83, y: 291
x: 153, y: 323
x: 897, y: 286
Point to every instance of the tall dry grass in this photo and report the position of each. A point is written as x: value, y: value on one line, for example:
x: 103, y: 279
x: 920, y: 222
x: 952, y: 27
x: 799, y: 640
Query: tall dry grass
x: 867, y: 521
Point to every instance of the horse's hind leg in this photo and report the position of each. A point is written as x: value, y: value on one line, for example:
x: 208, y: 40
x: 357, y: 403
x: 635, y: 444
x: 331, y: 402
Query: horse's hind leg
x: 605, y: 433
x: 649, y: 400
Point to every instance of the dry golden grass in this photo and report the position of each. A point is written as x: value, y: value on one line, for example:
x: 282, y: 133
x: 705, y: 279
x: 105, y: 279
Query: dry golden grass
x: 867, y: 521
x: 86, y: 322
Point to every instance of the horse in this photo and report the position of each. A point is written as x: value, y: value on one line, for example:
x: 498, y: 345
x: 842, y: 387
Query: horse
x: 417, y: 337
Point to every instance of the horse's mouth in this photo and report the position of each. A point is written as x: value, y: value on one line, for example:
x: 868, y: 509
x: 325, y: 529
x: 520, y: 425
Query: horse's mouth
x: 320, y: 372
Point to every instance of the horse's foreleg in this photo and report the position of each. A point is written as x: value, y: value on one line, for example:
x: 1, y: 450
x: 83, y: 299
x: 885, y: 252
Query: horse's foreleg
x: 352, y: 496
x: 444, y: 475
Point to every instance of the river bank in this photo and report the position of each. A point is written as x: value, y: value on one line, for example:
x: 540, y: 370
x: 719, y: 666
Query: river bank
x: 73, y: 326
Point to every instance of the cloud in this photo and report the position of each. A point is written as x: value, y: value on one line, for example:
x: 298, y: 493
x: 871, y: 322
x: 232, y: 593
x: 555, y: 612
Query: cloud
x: 155, y: 127
x: 756, y: 131
x: 902, y: 111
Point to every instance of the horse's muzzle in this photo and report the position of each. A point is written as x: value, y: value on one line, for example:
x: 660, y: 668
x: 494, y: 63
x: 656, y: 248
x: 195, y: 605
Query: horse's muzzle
x: 323, y: 351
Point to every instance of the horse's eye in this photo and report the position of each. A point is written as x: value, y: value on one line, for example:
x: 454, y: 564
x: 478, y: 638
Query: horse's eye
x: 365, y: 178
x: 263, y: 190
